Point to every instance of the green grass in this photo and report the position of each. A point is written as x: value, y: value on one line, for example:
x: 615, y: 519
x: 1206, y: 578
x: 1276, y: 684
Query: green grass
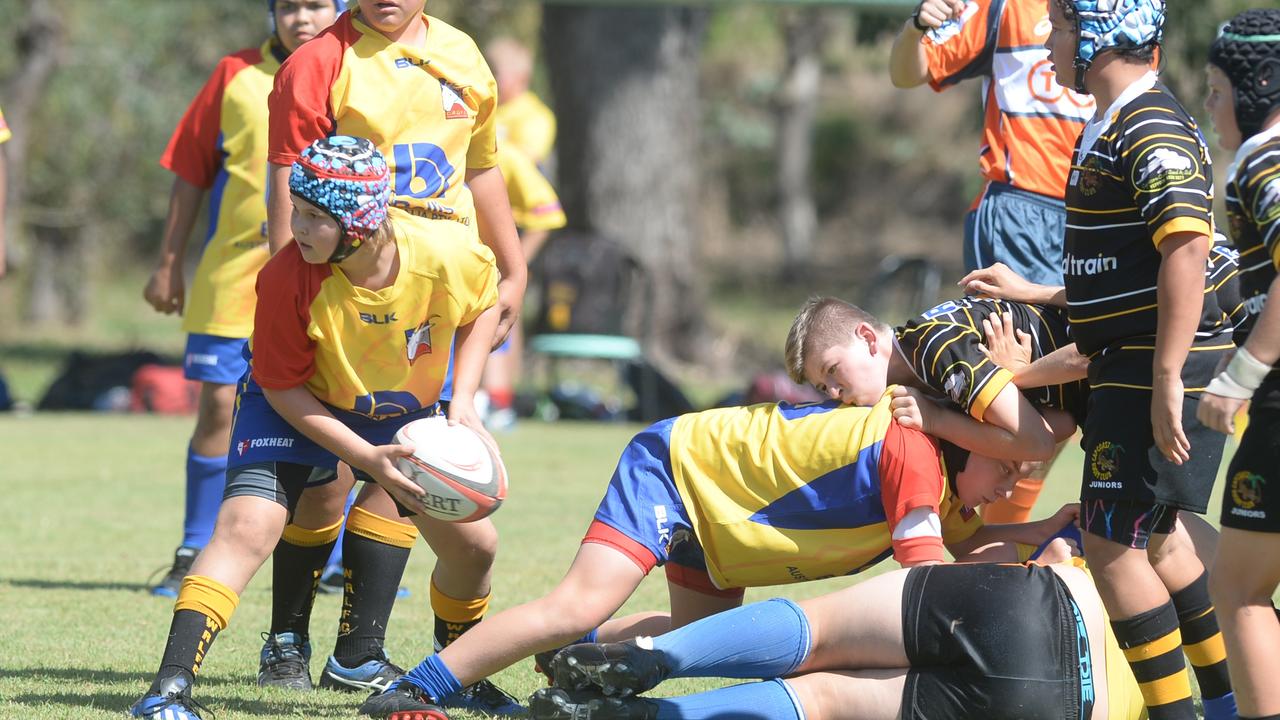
x: 93, y: 505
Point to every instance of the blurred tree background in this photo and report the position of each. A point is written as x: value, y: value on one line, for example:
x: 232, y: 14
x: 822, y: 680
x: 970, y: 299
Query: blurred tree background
x: 806, y: 166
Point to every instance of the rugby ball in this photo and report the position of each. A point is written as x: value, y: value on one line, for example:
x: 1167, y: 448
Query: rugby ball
x: 461, y: 472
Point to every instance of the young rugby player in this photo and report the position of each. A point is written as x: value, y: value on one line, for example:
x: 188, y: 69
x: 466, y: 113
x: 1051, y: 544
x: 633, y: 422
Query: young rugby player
x: 1139, y: 229
x: 1244, y: 103
x: 420, y: 90
x: 939, y: 641
x: 738, y: 497
x: 5, y: 135
x: 220, y: 149
x: 325, y: 385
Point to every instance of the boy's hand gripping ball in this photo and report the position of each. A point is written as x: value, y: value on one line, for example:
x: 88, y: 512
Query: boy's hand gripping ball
x: 461, y: 472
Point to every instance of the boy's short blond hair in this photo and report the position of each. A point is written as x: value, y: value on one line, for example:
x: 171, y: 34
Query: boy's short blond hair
x: 823, y: 322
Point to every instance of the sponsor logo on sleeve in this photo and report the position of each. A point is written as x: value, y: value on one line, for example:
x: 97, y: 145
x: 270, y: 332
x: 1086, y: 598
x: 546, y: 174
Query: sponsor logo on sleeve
x: 1163, y: 166
x: 1266, y: 209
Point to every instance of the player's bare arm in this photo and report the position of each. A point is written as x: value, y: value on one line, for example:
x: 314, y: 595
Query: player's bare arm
x: 1010, y: 348
x: 1180, y: 294
x: 302, y: 410
x: 908, y: 66
x: 471, y: 349
x: 165, y: 289
x: 279, y: 207
x: 1003, y: 539
x: 1242, y: 375
x: 999, y: 281
x: 498, y: 231
x: 1030, y: 439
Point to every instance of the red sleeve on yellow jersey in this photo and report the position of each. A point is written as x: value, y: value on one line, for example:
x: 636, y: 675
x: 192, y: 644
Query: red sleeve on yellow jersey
x: 299, y: 101
x: 963, y: 49
x: 283, y: 351
x: 910, y: 478
x: 194, y: 152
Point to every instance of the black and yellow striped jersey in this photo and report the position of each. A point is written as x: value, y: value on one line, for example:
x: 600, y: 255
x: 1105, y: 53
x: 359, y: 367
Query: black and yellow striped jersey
x: 1223, y: 276
x: 1147, y: 176
x: 1253, y: 209
x: 941, y: 346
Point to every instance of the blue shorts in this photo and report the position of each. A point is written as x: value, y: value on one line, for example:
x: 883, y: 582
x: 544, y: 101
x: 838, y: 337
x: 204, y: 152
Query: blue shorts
x: 1021, y: 229
x: 214, y: 359
x: 446, y: 390
x: 642, y: 502
x: 259, y: 434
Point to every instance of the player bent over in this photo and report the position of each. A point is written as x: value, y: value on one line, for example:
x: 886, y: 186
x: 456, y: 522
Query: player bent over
x: 1139, y: 228
x: 737, y: 497
x: 326, y: 385
x: 937, y: 641
x: 1244, y: 77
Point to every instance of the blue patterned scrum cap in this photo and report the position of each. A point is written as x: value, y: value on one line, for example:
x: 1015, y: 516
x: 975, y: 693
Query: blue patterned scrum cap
x: 348, y: 178
x: 1116, y: 25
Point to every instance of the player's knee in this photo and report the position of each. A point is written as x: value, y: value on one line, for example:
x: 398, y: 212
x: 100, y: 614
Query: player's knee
x: 1230, y: 589
x: 248, y: 533
x: 478, y: 552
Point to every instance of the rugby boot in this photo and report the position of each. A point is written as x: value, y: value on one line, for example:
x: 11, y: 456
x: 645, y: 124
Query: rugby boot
x: 485, y: 697
x: 172, y: 701
x: 561, y: 704
x: 284, y: 662
x: 376, y: 675
x: 405, y: 701
x: 617, y: 669
x: 172, y: 581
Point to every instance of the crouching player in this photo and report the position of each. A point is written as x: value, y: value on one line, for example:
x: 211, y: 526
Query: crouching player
x: 325, y: 384
x: 1244, y: 102
x: 938, y: 641
x: 738, y: 497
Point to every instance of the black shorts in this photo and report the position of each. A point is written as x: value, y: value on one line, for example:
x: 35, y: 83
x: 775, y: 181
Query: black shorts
x: 1122, y: 464
x: 1251, y: 500
x: 283, y: 482
x: 1127, y: 523
x: 993, y: 642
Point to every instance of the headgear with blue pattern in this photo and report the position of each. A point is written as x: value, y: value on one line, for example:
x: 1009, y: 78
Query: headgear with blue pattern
x: 347, y: 178
x: 1248, y: 53
x: 1112, y: 25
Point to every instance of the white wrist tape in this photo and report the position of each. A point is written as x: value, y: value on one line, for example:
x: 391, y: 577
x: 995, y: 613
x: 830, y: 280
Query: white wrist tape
x: 1247, y: 370
x: 1224, y: 386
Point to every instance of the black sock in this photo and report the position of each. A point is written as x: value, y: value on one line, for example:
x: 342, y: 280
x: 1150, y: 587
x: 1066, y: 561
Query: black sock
x: 296, y: 566
x: 374, y: 553
x: 1201, y: 638
x: 190, y: 635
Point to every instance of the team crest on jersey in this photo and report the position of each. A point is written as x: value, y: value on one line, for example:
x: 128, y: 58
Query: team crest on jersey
x: 1266, y: 209
x: 451, y: 98
x: 1164, y: 166
x: 418, y: 340
x: 1090, y: 179
x: 1239, y: 225
x: 957, y: 386
x: 1105, y: 459
x: 1246, y: 489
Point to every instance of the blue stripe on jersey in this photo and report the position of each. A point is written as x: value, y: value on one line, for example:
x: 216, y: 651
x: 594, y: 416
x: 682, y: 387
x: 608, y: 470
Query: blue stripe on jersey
x: 795, y: 412
x: 847, y: 497
x: 215, y: 193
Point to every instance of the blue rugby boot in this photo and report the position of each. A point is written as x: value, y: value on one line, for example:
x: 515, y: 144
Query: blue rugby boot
x: 376, y: 675
x: 485, y: 697
x: 561, y: 704
x: 285, y: 662
x: 172, y: 701
x: 172, y: 581
x: 619, y: 669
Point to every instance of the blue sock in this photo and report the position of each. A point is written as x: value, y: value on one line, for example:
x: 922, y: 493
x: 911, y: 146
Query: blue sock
x: 335, y: 557
x: 433, y: 676
x: 763, y: 640
x: 1220, y: 708
x: 206, y: 477
x: 768, y: 700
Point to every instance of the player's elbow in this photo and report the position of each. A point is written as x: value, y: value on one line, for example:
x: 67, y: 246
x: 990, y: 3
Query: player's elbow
x: 1037, y: 444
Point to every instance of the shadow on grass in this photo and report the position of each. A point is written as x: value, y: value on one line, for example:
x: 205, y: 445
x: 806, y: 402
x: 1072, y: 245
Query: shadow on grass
x: 112, y: 701
x: 38, y: 584
x: 105, y: 676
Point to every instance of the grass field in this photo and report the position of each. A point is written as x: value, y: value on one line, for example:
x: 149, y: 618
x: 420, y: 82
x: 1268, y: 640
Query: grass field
x: 93, y: 506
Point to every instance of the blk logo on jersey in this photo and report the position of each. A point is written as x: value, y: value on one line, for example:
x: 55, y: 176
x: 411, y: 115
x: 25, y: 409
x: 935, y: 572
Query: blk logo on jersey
x: 418, y: 340
x: 451, y: 97
x: 376, y: 319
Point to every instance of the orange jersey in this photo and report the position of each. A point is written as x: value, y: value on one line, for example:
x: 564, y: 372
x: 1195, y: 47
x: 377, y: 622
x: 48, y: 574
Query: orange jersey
x: 221, y: 145
x: 430, y: 110
x: 378, y: 353
x: 5, y: 134
x: 1030, y: 122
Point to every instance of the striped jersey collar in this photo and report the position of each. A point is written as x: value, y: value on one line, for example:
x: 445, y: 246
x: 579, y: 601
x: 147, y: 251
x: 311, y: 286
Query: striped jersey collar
x: 1247, y: 148
x: 1102, y: 120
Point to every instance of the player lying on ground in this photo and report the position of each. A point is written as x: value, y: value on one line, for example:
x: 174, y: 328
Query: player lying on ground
x: 850, y: 355
x: 937, y: 641
x: 1245, y: 109
x: 737, y: 497
x: 325, y: 385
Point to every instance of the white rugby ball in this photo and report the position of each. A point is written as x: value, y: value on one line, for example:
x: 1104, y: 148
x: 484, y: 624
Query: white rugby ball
x: 462, y: 474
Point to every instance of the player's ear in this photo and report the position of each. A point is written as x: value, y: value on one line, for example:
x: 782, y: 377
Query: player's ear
x: 870, y: 334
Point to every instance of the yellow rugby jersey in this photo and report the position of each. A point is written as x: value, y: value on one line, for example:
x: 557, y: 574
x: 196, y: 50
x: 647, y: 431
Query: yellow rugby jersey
x: 534, y: 203
x: 527, y: 123
x: 5, y: 133
x: 1141, y: 172
x: 941, y: 346
x: 430, y: 110
x: 1253, y: 209
x: 378, y: 353
x: 221, y: 145
x: 778, y: 493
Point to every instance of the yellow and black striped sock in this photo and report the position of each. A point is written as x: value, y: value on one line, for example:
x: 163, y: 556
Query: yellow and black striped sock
x: 203, y: 609
x: 1153, y: 646
x: 1201, y: 638
x: 454, y: 616
x: 296, y: 566
x: 375, y: 550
